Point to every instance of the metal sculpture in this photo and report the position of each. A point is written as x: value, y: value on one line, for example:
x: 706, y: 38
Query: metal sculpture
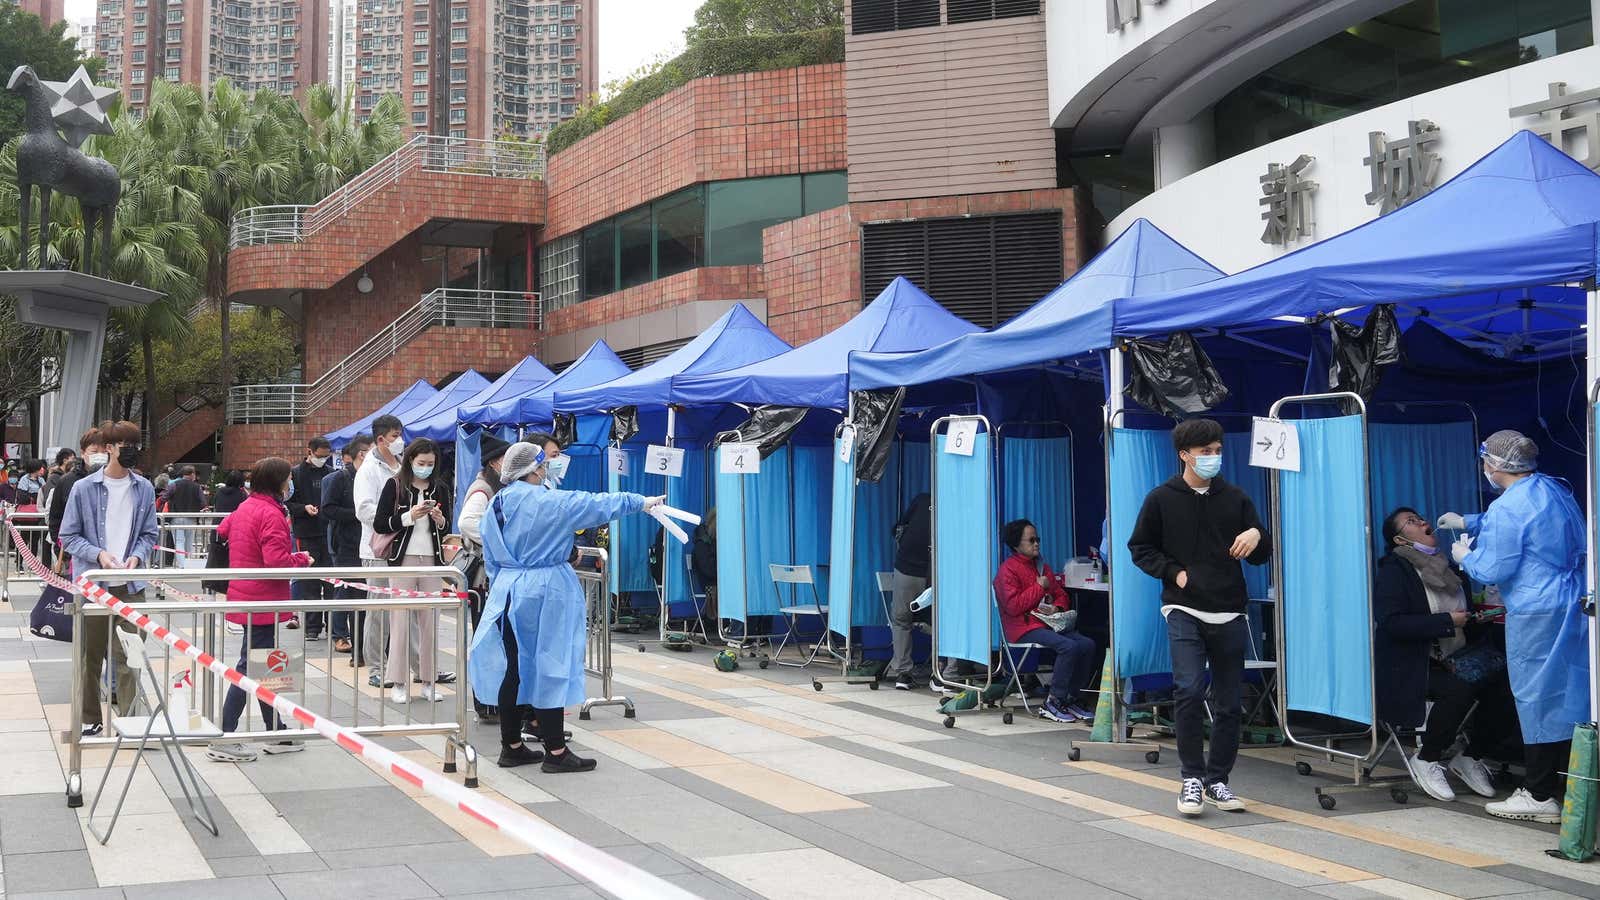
x: 50, y: 162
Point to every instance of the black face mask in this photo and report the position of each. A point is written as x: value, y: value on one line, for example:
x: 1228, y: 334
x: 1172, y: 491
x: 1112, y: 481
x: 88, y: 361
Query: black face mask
x: 127, y: 457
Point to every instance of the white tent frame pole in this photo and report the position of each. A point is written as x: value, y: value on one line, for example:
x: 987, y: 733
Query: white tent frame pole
x: 1592, y: 335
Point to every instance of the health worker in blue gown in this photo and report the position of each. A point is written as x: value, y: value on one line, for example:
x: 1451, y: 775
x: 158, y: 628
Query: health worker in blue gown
x: 1531, y: 543
x: 529, y: 646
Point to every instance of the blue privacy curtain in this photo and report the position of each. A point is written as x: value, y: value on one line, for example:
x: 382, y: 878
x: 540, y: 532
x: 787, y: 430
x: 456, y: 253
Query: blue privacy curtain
x: 862, y: 542
x: 963, y: 530
x: 1036, y: 484
x: 687, y: 493
x: 1236, y: 470
x: 1433, y: 469
x: 631, y: 535
x: 1327, y: 578
x: 841, y: 544
x: 731, y: 545
x: 1141, y: 459
x: 467, y: 466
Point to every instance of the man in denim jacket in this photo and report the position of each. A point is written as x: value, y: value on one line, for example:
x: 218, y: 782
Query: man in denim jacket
x: 110, y: 523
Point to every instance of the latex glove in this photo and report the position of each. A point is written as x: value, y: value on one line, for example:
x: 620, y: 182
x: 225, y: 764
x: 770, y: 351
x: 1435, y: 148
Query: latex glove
x: 653, y: 502
x: 1451, y: 522
x: 1460, y: 549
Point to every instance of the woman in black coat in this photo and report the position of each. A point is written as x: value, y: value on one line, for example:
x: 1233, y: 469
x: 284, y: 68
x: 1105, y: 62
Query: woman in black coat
x: 415, y: 507
x: 1420, y: 602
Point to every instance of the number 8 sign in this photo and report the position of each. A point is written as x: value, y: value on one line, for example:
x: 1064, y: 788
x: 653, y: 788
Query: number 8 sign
x: 740, y: 459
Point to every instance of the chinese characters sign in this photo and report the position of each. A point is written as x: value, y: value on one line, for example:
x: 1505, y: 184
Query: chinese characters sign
x: 1402, y: 169
x: 1566, y: 124
x: 1287, y: 194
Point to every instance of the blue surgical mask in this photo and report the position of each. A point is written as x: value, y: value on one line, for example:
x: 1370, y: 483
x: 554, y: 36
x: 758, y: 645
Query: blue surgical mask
x: 1493, y: 486
x: 289, y: 495
x: 556, y: 469
x: 422, y: 471
x: 1207, y: 467
x: 1424, y: 549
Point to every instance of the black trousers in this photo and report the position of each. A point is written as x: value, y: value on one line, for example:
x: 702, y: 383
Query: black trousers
x: 1452, y: 700
x: 1545, y: 764
x: 551, y: 722
x: 1198, y: 648
x: 315, y: 588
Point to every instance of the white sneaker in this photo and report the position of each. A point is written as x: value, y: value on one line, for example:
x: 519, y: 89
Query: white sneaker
x: 1523, y: 808
x: 283, y: 747
x: 1191, y: 799
x: 429, y: 692
x: 234, y: 753
x: 1430, y: 777
x: 234, y: 628
x: 1474, y: 774
x: 397, y: 694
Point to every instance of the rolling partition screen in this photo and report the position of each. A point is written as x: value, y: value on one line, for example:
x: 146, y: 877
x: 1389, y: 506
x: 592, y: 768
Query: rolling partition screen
x: 841, y: 544
x: 688, y: 492
x: 963, y: 533
x: 731, y: 547
x: 1036, y: 484
x: 1141, y: 459
x: 1326, y: 598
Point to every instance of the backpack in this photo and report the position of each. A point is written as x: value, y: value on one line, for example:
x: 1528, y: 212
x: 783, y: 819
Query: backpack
x: 655, y: 558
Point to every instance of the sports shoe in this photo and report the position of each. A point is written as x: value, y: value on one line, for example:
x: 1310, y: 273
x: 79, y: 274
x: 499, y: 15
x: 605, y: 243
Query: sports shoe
x: 283, y: 747
x: 234, y: 753
x: 1078, y: 710
x: 566, y: 762
x: 906, y: 682
x: 1219, y: 795
x: 521, y: 755
x: 375, y: 681
x: 1191, y: 798
x: 1055, y: 712
x: 1523, y: 808
x: 1430, y: 777
x: 234, y: 628
x: 429, y: 692
x: 313, y: 636
x: 1474, y: 774
x: 398, y: 694
x: 294, y: 622
x: 94, y: 730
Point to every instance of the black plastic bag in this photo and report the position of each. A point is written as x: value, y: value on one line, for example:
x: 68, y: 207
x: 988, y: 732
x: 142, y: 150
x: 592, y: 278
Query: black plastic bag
x: 875, y: 415
x: 624, y: 424
x: 1359, y: 354
x: 769, y: 428
x: 1174, y: 377
x: 565, y: 429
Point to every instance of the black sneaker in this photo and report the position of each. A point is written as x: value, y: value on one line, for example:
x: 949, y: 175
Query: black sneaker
x: 93, y: 730
x: 567, y: 762
x: 907, y: 682
x: 313, y: 636
x: 1191, y: 799
x: 523, y: 755
x: 1218, y: 795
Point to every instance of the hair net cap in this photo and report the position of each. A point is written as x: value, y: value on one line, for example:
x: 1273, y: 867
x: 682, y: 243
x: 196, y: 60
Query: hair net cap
x: 1511, y: 452
x: 520, y: 459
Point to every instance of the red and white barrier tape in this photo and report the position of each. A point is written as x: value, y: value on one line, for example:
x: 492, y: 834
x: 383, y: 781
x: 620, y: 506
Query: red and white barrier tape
x: 397, y: 592
x: 174, y: 551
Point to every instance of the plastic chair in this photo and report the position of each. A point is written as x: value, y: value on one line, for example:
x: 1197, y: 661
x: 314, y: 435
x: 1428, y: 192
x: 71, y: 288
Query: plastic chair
x: 796, y: 577
x: 1013, y: 664
x: 157, y: 726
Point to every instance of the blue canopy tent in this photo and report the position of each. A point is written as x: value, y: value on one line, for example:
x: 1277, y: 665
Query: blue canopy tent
x: 466, y: 386
x: 736, y: 338
x: 441, y: 424
x: 760, y: 513
x: 413, y: 396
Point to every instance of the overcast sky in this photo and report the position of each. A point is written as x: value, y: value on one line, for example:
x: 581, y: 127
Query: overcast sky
x: 631, y: 31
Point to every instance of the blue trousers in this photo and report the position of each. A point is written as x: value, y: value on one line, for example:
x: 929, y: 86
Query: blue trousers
x: 1196, y: 647
x: 1074, y: 661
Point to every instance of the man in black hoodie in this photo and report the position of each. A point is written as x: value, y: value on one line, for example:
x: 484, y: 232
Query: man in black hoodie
x: 309, y: 529
x: 1192, y: 533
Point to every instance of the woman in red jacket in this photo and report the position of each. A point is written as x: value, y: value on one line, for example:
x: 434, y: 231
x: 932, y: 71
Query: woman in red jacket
x: 1024, y: 586
x: 258, y: 538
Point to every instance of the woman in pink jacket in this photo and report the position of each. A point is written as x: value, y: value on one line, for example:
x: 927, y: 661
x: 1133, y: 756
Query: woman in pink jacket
x: 1026, y: 585
x: 258, y: 537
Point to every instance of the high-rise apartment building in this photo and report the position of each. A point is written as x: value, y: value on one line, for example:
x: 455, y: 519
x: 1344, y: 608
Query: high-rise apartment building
x: 476, y: 68
x: 279, y: 45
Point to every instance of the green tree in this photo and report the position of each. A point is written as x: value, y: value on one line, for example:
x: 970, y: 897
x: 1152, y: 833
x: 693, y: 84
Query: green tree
x: 24, y: 41
x: 192, y: 367
x: 743, y: 18
x: 22, y: 369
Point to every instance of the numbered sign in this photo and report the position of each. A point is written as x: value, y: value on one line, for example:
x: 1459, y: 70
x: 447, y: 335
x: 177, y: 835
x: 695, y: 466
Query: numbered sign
x: 961, y: 436
x: 847, y: 443
x: 617, y: 461
x: 740, y: 459
x: 666, y: 461
x: 1274, y: 444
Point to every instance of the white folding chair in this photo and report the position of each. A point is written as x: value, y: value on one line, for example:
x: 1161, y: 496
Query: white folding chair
x: 797, y: 577
x: 697, y: 597
x: 157, y: 726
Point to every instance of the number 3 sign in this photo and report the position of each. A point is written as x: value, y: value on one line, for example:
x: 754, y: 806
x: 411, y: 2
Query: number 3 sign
x: 666, y: 461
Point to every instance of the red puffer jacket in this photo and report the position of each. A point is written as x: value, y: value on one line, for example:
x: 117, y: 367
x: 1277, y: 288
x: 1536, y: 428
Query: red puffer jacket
x: 1019, y: 594
x: 258, y: 538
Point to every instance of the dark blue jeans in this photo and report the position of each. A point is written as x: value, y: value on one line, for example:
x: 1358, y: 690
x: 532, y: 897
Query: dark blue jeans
x: 315, y: 589
x: 257, y: 637
x: 1074, y: 664
x: 1197, y: 646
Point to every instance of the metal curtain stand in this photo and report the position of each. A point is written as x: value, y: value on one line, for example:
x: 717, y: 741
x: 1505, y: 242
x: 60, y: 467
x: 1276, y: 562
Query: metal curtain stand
x: 986, y: 549
x: 597, y: 649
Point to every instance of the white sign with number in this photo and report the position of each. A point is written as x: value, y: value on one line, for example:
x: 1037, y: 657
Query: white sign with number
x: 740, y: 459
x: 961, y: 436
x: 847, y: 443
x: 617, y: 461
x: 1274, y: 444
x: 666, y: 461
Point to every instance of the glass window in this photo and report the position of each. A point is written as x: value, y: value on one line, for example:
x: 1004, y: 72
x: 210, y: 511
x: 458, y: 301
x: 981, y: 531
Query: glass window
x: 680, y: 231
x: 737, y: 211
x: 635, y: 252
x: 824, y: 190
x: 599, y: 260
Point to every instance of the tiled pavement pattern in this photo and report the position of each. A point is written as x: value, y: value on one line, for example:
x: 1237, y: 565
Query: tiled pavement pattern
x: 741, y: 785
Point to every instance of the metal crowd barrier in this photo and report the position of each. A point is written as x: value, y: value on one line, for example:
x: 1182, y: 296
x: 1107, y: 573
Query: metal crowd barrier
x: 319, y: 687
x: 31, y: 524
x: 597, y: 649
x: 189, y: 533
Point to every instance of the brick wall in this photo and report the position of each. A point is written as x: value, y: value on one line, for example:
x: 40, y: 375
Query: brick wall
x: 735, y: 126
x: 709, y: 283
x: 813, y: 274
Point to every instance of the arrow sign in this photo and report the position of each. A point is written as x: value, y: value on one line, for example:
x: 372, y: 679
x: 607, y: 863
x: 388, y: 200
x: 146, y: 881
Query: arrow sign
x: 1274, y: 444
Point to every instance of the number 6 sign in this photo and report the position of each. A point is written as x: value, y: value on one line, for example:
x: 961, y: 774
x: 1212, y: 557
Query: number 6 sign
x: 961, y: 436
x: 740, y: 459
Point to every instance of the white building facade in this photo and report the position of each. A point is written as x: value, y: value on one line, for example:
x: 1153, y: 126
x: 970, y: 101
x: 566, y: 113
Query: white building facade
x: 1248, y: 128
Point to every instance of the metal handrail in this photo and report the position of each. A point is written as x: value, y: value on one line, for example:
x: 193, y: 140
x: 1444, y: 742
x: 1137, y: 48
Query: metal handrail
x: 424, y: 152
x: 265, y: 404
x: 179, y: 415
x: 448, y: 307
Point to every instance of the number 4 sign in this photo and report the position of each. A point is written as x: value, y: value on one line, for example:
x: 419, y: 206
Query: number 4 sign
x: 666, y: 461
x: 740, y: 459
x: 962, y: 435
